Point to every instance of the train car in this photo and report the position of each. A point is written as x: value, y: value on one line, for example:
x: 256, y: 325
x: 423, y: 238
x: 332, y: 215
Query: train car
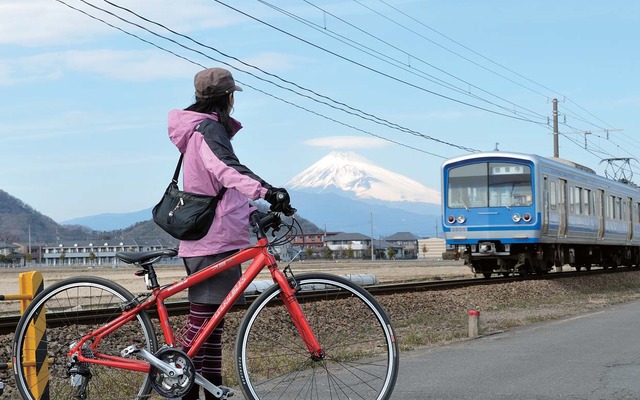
x: 521, y: 213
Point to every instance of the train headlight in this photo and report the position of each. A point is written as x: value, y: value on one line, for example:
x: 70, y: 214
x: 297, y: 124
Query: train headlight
x: 516, y: 217
x: 451, y: 219
x: 461, y: 219
x: 526, y: 217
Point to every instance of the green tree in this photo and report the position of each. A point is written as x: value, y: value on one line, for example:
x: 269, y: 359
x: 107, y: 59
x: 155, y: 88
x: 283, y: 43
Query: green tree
x: 63, y: 256
x: 92, y: 257
x: 391, y: 252
x: 328, y: 254
x: 309, y: 251
x: 349, y: 252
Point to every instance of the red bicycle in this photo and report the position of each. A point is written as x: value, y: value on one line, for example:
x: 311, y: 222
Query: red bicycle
x: 308, y: 336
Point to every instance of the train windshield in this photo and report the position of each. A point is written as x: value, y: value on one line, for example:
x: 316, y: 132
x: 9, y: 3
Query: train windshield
x: 489, y: 184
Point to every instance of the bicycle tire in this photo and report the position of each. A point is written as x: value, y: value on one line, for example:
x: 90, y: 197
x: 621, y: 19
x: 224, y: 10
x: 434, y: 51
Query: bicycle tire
x: 63, y: 303
x: 361, y: 359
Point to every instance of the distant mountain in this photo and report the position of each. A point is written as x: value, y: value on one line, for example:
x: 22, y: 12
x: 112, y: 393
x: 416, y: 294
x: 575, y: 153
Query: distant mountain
x: 140, y: 225
x: 111, y: 221
x: 335, y: 213
x: 19, y: 223
x: 346, y: 192
x: 351, y: 175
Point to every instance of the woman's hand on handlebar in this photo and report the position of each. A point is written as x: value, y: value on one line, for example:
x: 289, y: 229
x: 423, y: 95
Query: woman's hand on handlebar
x: 279, y: 200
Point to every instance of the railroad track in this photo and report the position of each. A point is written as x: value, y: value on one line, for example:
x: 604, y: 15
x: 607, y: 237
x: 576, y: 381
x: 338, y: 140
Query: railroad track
x: 8, y: 323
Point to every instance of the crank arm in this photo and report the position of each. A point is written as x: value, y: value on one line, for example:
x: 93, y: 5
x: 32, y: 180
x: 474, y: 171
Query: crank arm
x: 156, y: 362
x: 208, y: 386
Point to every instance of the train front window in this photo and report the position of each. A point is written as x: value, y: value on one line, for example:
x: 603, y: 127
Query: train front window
x: 489, y: 185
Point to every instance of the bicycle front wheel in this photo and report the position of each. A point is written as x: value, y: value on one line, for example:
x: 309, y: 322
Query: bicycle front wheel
x: 361, y: 359
x: 55, y: 320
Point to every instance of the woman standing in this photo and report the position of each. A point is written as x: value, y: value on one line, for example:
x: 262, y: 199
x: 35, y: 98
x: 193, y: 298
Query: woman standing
x: 203, y: 133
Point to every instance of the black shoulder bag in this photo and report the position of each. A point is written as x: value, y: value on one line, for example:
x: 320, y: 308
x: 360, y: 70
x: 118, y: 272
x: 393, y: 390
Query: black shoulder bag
x: 184, y: 215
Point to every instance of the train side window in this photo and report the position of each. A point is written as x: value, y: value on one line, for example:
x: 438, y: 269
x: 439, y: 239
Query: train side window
x: 571, y: 199
x: 586, y: 201
x: 579, y: 209
x: 619, y: 208
x: 552, y: 195
x: 638, y: 212
x: 574, y: 200
x: 610, y: 207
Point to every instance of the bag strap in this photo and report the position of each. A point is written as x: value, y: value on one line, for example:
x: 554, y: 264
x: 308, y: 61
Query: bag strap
x: 221, y: 192
x: 177, y: 173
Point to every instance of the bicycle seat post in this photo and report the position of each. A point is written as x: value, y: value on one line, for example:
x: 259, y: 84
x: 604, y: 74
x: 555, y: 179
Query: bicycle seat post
x: 151, y: 277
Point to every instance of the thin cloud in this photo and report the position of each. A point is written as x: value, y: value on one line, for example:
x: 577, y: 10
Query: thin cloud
x: 37, y: 23
x: 132, y: 66
x: 41, y: 23
x: 347, y: 142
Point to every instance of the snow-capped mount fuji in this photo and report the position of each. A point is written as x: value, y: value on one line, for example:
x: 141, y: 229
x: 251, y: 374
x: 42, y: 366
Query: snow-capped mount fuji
x: 344, y: 192
x: 353, y: 174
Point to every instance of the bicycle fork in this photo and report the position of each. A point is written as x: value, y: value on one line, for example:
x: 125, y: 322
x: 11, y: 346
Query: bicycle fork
x: 289, y: 286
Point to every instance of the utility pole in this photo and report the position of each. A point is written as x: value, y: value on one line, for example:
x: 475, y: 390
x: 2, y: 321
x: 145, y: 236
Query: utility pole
x: 556, y: 151
x: 372, y: 255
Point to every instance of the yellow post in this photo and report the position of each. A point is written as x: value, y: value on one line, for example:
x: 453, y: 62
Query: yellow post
x: 35, y: 345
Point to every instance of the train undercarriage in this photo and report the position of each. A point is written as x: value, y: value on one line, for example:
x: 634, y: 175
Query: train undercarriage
x: 493, y: 257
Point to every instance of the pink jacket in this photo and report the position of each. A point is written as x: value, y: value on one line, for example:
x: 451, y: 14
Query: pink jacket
x: 210, y: 163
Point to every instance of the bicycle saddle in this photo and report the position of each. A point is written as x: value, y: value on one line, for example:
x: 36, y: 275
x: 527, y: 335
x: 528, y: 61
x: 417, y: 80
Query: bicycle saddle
x: 142, y: 257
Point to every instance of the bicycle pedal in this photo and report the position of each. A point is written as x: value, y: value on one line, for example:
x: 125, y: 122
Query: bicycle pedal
x: 226, y: 392
x: 127, y: 352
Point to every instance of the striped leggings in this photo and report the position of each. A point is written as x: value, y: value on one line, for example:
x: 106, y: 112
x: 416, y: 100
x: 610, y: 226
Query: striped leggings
x: 208, y: 361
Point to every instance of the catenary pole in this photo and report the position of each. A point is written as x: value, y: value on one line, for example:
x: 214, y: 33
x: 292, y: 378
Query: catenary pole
x: 556, y: 150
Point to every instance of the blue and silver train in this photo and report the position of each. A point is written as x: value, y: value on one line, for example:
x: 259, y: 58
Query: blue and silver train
x: 520, y: 213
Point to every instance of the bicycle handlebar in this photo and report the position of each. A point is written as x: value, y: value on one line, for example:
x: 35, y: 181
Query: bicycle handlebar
x: 261, y: 222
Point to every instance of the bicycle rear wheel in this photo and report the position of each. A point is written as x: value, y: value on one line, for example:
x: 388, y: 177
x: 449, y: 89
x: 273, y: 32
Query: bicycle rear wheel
x: 361, y: 353
x: 59, y: 317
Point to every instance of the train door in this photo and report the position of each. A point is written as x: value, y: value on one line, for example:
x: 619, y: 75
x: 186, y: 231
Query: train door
x: 562, y: 207
x: 545, y: 211
x: 629, y: 207
x: 600, y: 207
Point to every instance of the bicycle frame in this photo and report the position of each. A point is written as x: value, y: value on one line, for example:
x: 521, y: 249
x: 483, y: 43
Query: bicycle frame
x: 261, y: 256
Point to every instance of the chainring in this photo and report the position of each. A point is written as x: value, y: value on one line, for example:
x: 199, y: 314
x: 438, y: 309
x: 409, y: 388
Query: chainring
x: 168, y: 386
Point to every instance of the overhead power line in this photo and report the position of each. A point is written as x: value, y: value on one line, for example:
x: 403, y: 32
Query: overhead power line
x: 474, y: 52
x: 350, y: 110
x: 329, y: 101
x: 243, y: 83
x: 371, y: 69
x: 602, y: 125
x: 406, y: 66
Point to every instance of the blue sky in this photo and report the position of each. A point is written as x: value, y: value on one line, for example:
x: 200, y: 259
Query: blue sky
x: 83, y: 105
